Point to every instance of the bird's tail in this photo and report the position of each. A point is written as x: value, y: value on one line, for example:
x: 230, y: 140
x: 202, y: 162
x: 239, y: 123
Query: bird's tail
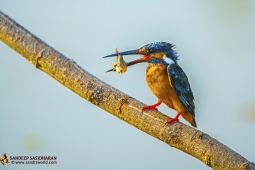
x: 193, y: 123
x: 189, y: 118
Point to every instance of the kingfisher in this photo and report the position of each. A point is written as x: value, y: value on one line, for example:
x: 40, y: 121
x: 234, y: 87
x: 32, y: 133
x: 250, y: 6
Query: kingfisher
x: 166, y: 79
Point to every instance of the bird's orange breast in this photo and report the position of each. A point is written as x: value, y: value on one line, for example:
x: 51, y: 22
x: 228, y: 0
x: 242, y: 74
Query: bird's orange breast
x: 158, y: 81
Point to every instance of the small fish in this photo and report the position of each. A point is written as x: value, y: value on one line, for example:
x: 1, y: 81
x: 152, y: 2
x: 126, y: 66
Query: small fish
x: 120, y: 66
x: 4, y: 159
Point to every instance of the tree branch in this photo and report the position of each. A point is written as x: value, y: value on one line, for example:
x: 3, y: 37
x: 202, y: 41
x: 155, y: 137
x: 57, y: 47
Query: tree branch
x: 67, y: 72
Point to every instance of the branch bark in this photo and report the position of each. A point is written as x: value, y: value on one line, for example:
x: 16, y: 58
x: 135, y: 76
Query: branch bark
x: 67, y: 72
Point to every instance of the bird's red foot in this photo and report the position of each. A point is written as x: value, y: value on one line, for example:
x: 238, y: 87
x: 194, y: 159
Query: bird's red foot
x: 174, y: 119
x: 152, y: 106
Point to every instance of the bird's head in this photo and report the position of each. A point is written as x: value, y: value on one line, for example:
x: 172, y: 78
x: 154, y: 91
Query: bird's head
x: 159, y: 50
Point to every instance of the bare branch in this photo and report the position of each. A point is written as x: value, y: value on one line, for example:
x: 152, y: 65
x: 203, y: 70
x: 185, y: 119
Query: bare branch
x: 67, y: 72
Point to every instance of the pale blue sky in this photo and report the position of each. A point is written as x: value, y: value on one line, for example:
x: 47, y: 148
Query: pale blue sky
x: 39, y: 116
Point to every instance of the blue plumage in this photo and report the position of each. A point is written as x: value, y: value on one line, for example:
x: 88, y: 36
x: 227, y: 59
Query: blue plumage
x: 179, y: 82
x: 162, y: 47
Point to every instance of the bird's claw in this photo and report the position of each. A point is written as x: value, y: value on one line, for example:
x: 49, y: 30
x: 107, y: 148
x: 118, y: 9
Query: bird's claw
x: 154, y: 106
x: 176, y: 118
x: 171, y: 120
x: 149, y: 107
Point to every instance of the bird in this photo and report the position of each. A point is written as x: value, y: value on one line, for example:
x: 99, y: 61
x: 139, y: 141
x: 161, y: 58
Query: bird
x: 166, y: 79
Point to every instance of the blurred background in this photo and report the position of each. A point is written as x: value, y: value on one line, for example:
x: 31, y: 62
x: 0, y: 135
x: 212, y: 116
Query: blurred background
x: 39, y: 116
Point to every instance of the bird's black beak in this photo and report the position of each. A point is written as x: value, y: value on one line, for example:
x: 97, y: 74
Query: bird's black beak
x: 132, y: 52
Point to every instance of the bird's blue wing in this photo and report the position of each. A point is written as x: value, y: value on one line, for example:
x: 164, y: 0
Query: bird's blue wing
x: 180, y: 83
